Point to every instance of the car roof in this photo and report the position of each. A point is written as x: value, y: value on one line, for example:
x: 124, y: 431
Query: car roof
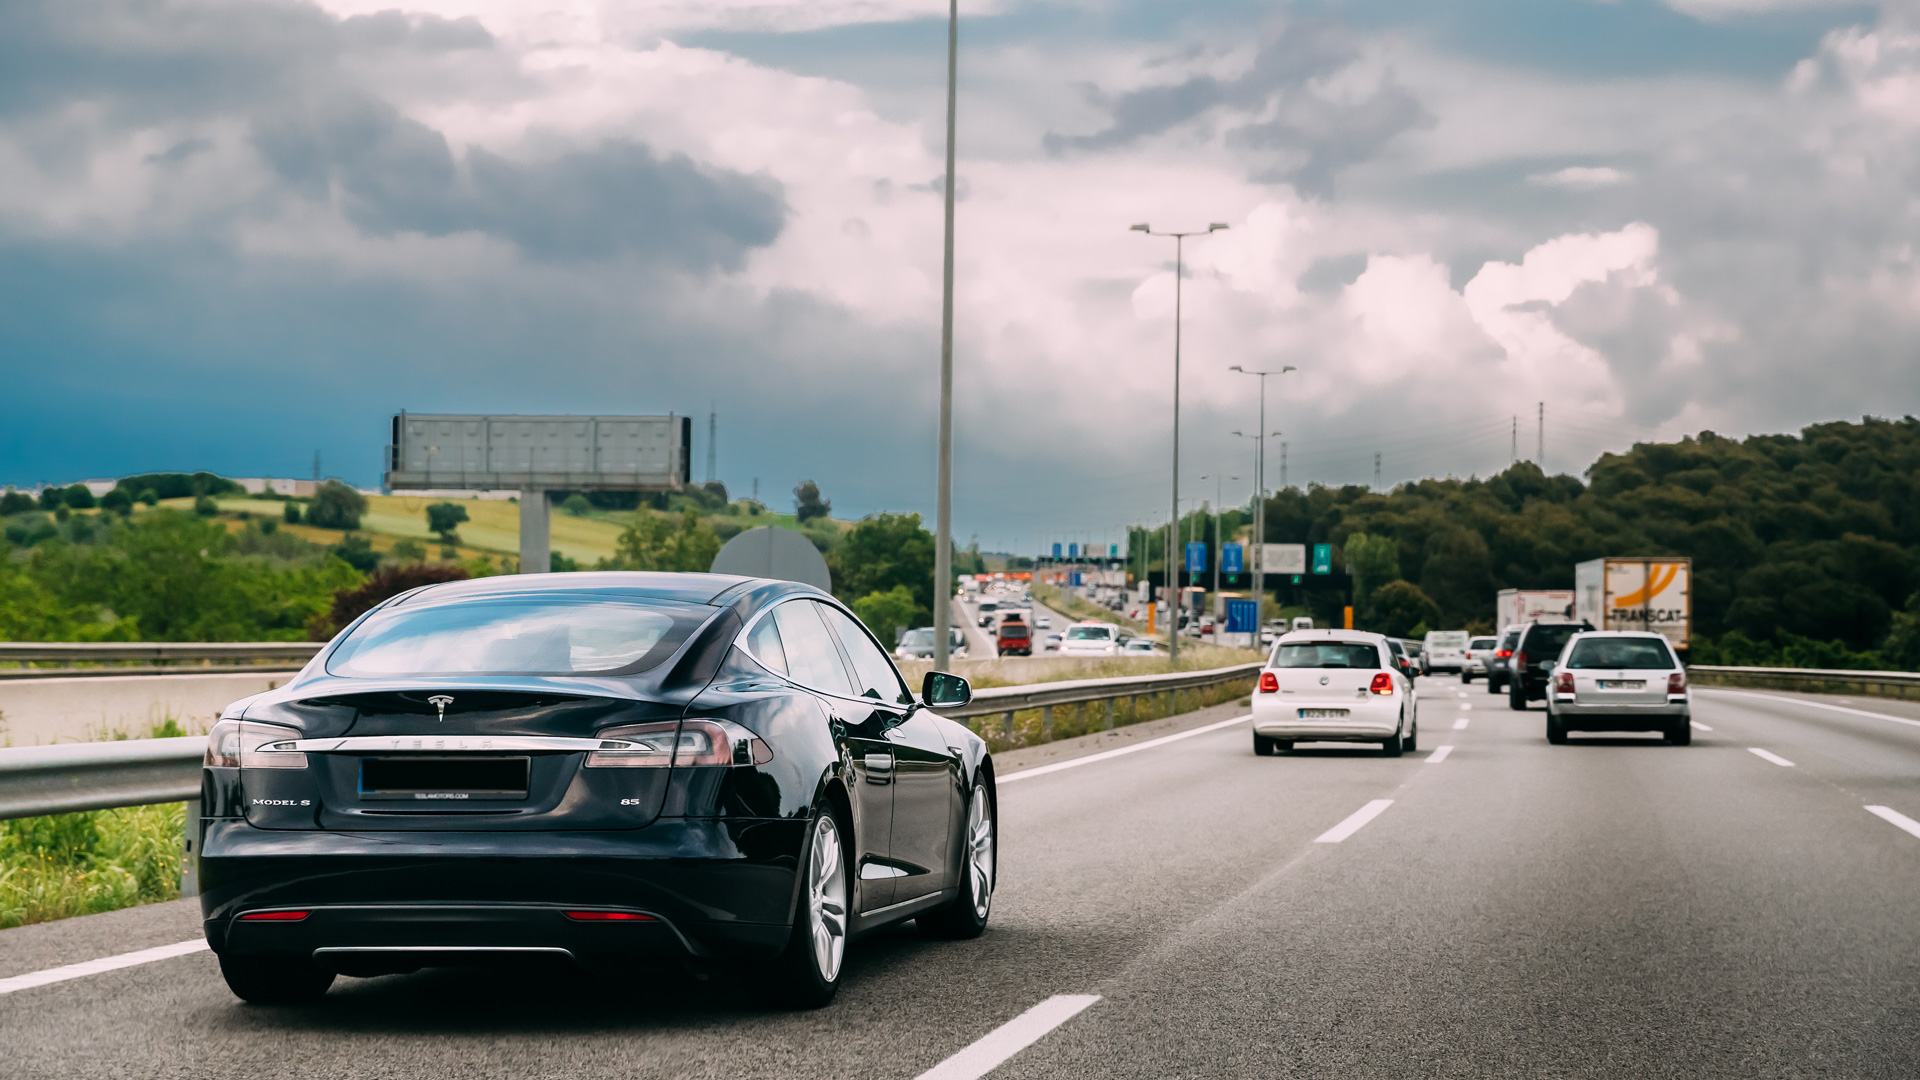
x: 1624, y: 633
x: 1356, y: 637
x: 687, y: 588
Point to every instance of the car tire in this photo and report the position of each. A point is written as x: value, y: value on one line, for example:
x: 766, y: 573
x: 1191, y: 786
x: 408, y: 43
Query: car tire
x: 1264, y: 746
x: 274, y: 980
x: 1412, y: 742
x: 1494, y: 685
x: 965, y: 917
x: 1517, y: 698
x: 1391, y: 747
x: 807, y: 972
x: 1556, y: 729
x: 1466, y: 678
x: 1680, y: 734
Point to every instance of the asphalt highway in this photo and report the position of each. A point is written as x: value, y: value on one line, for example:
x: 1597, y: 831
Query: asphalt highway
x: 1610, y: 908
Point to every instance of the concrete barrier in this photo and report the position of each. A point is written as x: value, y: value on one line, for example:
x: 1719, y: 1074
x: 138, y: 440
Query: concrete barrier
x: 37, y: 712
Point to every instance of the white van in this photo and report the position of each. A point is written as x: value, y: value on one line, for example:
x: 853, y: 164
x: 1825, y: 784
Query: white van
x: 1444, y: 650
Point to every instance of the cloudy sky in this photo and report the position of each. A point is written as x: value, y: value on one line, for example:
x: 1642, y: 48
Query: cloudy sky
x: 234, y: 232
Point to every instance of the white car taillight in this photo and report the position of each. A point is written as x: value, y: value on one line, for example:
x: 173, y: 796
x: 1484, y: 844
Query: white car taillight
x: 1677, y: 683
x: 249, y: 744
x: 697, y: 742
x: 1563, y: 683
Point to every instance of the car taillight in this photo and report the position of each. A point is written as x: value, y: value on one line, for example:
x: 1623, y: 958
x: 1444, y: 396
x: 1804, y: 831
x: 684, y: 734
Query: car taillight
x: 1519, y: 660
x: 1382, y: 684
x: 1502, y: 654
x: 273, y: 916
x: 1677, y: 683
x: 248, y: 744
x: 609, y: 916
x: 1269, y: 684
x: 1563, y: 682
x: 697, y: 742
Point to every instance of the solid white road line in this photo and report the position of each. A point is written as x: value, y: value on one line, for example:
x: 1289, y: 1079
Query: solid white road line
x: 1895, y: 818
x: 1439, y: 754
x: 996, y: 1046
x: 1698, y: 726
x: 1105, y: 754
x: 1767, y: 755
x: 95, y: 967
x: 1354, y: 822
x: 1819, y: 705
x: 1460, y: 724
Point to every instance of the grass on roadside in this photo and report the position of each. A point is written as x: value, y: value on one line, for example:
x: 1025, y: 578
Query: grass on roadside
x: 1029, y: 727
x: 64, y: 865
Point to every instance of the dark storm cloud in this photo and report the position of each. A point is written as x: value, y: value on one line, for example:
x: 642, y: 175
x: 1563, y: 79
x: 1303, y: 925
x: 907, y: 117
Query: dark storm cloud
x: 1300, y: 137
x: 395, y: 174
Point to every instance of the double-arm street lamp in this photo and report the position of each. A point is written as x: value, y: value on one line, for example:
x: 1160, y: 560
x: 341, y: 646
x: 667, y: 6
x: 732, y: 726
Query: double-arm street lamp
x: 943, y: 511
x: 1173, y: 527
x: 1260, y: 482
x: 1219, y: 543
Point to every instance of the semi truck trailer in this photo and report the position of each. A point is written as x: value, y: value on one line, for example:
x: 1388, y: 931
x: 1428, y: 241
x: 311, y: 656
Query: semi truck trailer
x: 1651, y: 593
x: 1512, y: 606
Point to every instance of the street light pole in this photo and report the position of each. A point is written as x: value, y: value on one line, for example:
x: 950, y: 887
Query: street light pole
x: 943, y: 512
x: 1173, y: 527
x: 1260, y: 483
x: 1219, y: 544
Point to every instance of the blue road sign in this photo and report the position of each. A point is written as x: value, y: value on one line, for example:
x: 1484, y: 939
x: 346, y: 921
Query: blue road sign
x: 1243, y: 616
x: 1323, y: 558
x: 1232, y: 559
x: 1056, y: 551
x: 1076, y: 577
x: 1073, y: 551
x: 1197, y: 557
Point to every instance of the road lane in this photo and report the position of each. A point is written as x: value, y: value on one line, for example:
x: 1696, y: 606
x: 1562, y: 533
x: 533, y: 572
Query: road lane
x: 1612, y: 907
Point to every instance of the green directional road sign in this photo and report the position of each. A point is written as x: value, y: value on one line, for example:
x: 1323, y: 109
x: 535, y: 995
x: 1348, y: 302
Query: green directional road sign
x: 1323, y: 558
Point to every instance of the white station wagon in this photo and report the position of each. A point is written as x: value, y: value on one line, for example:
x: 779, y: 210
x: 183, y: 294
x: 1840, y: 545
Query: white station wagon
x: 1334, y: 686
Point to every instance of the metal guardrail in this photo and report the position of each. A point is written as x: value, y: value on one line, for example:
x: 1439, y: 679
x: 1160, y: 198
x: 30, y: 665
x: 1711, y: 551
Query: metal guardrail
x: 1813, y: 680
x: 1003, y: 699
x: 153, y: 657
x: 66, y: 777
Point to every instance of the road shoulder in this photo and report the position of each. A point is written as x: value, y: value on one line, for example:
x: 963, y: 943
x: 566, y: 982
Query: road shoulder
x: 1008, y: 762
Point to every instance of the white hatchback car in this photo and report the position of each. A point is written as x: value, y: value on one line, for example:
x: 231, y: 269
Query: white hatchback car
x: 1334, y: 686
x: 1619, y: 680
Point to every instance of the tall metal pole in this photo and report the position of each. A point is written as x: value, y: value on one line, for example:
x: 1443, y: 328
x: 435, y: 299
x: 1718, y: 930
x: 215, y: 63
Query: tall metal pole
x: 1173, y: 527
x: 943, y: 513
x: 1260, y: 511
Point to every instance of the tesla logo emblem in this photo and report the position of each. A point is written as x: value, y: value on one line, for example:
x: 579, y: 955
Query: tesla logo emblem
x: 1323, y: 682
x: 441, y: 701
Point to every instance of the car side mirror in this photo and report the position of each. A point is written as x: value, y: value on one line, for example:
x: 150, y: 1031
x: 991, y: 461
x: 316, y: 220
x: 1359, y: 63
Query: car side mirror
x: 944, y: 690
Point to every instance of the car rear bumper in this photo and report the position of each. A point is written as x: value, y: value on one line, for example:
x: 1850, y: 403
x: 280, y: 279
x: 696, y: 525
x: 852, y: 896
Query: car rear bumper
x: 1366, y: 720
x: 711, y: 889
x: 1650, y: 717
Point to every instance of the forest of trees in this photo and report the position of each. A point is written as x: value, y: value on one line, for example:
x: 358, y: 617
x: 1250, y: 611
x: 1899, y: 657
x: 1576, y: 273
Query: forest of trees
x: 1805, y: 548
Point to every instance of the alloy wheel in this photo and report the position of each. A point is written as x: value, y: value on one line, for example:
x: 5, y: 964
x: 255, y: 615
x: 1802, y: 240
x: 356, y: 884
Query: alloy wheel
x: 980, y: 852
x: 827, y: 898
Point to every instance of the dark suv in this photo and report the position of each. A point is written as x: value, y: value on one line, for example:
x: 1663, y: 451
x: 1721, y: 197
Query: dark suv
x: 1539, y: 645
x: 1500, y: 661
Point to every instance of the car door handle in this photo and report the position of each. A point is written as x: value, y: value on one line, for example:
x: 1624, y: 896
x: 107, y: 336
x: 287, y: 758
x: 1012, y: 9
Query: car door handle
x: 879, y: 768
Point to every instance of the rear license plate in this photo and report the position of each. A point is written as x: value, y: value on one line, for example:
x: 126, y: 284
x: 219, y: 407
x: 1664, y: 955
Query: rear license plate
x: 1323, y: 714
x: 451, y: 778
x: 1623, y: 684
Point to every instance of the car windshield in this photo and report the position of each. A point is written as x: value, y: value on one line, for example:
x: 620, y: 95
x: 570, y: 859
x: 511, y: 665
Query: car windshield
x: 1326, y: 654
x: 517, y: 635
x: 917, y: 639
x: 1626, y: 654
x: 1089, y: 633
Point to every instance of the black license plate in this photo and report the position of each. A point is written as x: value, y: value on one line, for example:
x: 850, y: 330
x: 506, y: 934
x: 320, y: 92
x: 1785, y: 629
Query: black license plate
x: 425, y: 778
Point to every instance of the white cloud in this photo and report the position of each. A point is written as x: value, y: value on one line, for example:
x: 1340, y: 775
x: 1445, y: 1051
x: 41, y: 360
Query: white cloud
x: 1581, y: 177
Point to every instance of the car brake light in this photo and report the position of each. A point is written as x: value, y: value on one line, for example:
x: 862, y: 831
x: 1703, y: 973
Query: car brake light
x: 1382, y: 684
x: 273, y: 916
x: 609, y: 916
x: 1677, y: 683
x: 1502, y: 654
x: 1519, y: 660
x: 1563, y: 682
x: 690, y: 742
x: 1269, y: 684
x: 247, y: 744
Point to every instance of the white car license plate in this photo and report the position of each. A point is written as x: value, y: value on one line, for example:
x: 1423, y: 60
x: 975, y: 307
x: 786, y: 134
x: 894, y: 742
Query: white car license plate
x: 1623, y: 684
x: 1323, y: 714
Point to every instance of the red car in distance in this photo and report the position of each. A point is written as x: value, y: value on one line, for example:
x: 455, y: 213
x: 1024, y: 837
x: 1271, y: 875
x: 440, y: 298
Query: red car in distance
x: 1016, y: 638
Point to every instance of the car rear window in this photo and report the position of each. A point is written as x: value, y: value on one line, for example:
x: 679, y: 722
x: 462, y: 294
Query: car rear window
x: 1013, y: 630
x: 516, y: 635
x: 1089, y: 633
x: 1626, y: 654
x: 1481, y: 643
x: 1326, y: 654
x: 1447, y: 639
x: 1545, y: 642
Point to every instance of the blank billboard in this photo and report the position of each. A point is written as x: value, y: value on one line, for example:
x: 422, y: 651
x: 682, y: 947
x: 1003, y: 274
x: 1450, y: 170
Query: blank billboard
x: 547, y: 453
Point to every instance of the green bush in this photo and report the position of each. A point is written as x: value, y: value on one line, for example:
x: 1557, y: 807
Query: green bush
x: 409, y: 550
x: 117, y: 501
x: 443, y: 518
x: 205, y: 506
x: 291, y: 512
x: 336, y: 506
x: 575, y: 506
x: 78, y: 497
x: 886, y: 613
x: 16, y: 502
x: 150, y: 497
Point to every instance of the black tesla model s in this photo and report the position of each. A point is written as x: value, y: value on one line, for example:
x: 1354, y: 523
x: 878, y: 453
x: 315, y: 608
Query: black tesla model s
x: 612, y: 768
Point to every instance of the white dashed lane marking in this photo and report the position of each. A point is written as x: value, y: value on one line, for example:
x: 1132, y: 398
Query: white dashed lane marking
x: 1354, y: 822
x: 992, y: 1050
x: 1768, y: 755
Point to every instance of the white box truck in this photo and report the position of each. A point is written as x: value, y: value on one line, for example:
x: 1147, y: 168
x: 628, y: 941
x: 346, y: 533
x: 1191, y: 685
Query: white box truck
x: 1653, y: 593
x: 1512, y: 606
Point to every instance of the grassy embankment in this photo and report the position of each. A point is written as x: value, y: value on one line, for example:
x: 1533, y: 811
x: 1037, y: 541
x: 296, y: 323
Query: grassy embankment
x: 79, y: 864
